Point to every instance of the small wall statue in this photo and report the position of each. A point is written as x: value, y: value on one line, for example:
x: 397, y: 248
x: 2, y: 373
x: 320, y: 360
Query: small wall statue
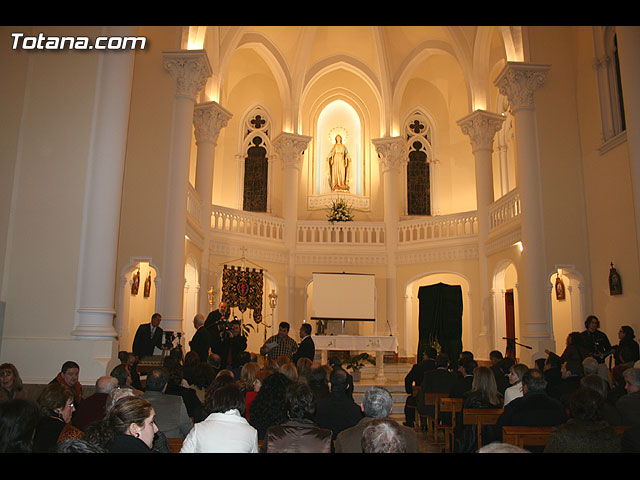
x: 615, y: 282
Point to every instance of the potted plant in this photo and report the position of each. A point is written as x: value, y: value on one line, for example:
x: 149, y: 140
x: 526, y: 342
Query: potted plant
x: 340, y: 211
x: 356, y: 362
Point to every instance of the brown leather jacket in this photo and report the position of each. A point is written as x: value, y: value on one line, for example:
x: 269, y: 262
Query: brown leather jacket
x: 297, y: 436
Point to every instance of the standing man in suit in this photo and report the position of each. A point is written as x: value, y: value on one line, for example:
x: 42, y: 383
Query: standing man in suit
x: 148, y: 336
x: 201, y: 341
x: 306, y: 348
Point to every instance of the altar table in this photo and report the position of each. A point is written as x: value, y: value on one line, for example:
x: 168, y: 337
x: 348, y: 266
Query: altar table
x: 324, y: 343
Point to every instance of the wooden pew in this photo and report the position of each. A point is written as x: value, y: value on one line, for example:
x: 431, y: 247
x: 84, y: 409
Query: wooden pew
x: 175, y: 444
x: 535, y: 436
x: 480, y: 417
x: 452, y: 406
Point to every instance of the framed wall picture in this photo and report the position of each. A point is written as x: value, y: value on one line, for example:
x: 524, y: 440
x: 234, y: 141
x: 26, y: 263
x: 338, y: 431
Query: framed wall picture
x: 560, y: 291
x: 615, y: 282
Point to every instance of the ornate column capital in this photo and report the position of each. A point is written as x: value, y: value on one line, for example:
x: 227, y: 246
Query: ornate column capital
x: 290, y: 148
x: 208, y: 119
x: 190, y: 70
x: 392, y: 153
x: 519, y: 81
x: 481, y: 126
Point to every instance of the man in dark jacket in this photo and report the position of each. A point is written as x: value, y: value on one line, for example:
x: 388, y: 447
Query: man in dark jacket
x: 414, y: 379
x: 337, y: 411
x: 438, y: 380
x: 201, y: 341
x: 148, y: 336
x: 306, y: 348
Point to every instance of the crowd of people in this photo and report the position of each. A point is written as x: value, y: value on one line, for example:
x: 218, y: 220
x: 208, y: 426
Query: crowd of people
x: 576, y: 392
x: 283, y: 400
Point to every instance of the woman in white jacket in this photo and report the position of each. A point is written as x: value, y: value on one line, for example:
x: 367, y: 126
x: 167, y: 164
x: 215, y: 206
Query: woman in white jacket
x: 225, y: 430
x: 515, y: 379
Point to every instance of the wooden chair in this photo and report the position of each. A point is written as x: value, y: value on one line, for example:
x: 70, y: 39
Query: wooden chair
x: 433, y: 399
x: 480, y: 417
x: 175, y: 444
x: 452, y: 406
x: 417, y: 425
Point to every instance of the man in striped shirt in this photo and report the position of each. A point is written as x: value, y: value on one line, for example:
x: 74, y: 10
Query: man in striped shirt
x: 280, y: 344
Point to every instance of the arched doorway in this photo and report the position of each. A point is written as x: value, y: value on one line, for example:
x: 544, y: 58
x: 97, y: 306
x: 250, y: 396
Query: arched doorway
x: 136, y: 304
x: 504, y: 294
x: 567, y: 303
x: 412, y: 308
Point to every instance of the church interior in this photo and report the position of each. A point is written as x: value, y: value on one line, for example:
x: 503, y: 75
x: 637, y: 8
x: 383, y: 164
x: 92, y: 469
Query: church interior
x: 503, y: 160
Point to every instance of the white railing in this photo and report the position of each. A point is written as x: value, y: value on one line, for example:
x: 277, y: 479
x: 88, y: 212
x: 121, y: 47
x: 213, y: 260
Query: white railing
x: 319, y: 232
x: 193, y: 204
x: 457, y: 225
x: 505, y: 209
x: 229, y: 220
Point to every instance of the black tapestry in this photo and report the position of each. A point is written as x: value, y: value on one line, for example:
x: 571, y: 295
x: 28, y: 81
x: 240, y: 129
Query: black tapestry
x: 440, y: 319
x: 242, y: 289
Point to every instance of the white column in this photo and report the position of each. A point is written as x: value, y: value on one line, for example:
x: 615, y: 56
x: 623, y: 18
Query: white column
x: 290, y: 148
x: 392, y: 155
x: 481, y: 126
x: 518, y: 82
x: 96, y: 273
x: 190, y: 70
x: 208, y: 120
x: 629, y: 54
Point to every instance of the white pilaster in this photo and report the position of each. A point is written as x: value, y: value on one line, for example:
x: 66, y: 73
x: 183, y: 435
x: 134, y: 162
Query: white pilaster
x: 101, y: 212
x: 190, y: 70
x: 518, y: 82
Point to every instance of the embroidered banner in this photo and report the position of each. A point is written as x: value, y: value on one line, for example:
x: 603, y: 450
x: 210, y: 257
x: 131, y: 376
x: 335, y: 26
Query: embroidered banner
x: 242, y: 289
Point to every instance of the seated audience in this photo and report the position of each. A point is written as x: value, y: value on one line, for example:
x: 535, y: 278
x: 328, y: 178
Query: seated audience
x: 69, y: 375
x: 499, y: 447
x: 18, y: 421
x: 628, y: 345
x: 318, y: 381
x: 299, y: 433
x: 597, y: 384
x: 629, y: 405
x: 191, y: 362
x: 571, y: 374
x: 56, y: 406
x: 500, y: 367
x: 336, y: 364
x: 412, y: 382
x: 268, y: 407
x: 92, y: 409
x: 377, y: 402
x: 304, y: 366
x: 290, y: 371
x: 586, y: 431
x: 515, y: 379
x: 128, y: 427
x: 249, y: 385
x: 535, y: 407
x: 383, y: 435
x: 175, y: 386
x: 465, y: 380
x: 123, y: 376
x: 438, y: 380
x: 171, y: 415
x: 79, y: 445
x: 10, y: 383
x: 483, y: 394
x: 130, y: 361
x: 203, y: 376
x: 337, y: 411
x: 224, y: 430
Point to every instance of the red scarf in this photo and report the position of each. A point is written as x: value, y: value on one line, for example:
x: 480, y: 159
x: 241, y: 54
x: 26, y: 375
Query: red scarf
x: 77, y: 389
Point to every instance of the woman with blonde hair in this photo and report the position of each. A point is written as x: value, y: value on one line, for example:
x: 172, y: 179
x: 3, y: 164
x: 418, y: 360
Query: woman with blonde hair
x: 515, y: 379
x: 290, y: 371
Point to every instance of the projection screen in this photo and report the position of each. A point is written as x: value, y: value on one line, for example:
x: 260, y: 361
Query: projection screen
x: 343, y: 296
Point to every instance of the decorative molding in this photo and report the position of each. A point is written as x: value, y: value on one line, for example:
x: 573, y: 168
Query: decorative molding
x: 340, y: 259
x: 481, y: 126
x: 392, y: 153
x: 208, y: 120
x: 290, y: 148
x: 319, y: 202
x: 503, y: 242
x: 519, y: 81
x: 444, y: 254
x: 190, y: 70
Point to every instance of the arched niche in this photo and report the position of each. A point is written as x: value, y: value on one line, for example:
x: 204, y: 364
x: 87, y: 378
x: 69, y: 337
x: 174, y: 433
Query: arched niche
x: 568, y: 313
x: 504, y: 284
x: 412, y: 308
x: 136, y: 308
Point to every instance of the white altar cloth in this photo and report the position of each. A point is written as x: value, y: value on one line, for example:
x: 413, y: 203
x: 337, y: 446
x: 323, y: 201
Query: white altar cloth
x: 324, y: 343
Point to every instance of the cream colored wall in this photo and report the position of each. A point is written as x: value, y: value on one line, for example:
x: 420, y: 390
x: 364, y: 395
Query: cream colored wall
x: 145, y: 182
x: 50, y: 152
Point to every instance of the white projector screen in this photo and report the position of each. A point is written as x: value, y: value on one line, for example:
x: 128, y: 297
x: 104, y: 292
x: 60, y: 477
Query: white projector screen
x: 343, y: 296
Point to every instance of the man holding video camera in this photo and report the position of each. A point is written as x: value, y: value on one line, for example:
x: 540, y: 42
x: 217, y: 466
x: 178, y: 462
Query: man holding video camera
x: 232, y: 344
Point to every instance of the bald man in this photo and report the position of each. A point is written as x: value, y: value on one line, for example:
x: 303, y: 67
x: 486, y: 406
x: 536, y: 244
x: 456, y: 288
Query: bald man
x: 92, y: 408
x: 201, y: 341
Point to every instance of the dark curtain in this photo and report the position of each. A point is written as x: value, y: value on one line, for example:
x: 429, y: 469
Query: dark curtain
x: 440, y: 318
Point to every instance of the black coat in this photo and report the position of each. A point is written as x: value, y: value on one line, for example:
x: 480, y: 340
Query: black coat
x: 143, y: 344
x: 201, y: 343
x: 306, y: 349
x: 337, y: 412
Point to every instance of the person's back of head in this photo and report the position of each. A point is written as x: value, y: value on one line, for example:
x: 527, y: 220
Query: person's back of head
x: 157, y: 379
x: 106, y: 384
x: 383, y: 435
x: 596, y: 383
x: 590, y: 366
x: 534, y: 381
x: 18, y: 421
x: 469, y: 366
x: 495, y: 356
x: 586, y: 405
x: 121, y: 374
x: 377, y: 402
x: 299, y: 402
x: 431, y: 353
x: 442, y: 360
x: 338, y: 380
x: 225, y: 398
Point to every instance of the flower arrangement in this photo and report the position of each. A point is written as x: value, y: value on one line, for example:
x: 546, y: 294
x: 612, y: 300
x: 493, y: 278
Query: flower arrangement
x: 339, y: 211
